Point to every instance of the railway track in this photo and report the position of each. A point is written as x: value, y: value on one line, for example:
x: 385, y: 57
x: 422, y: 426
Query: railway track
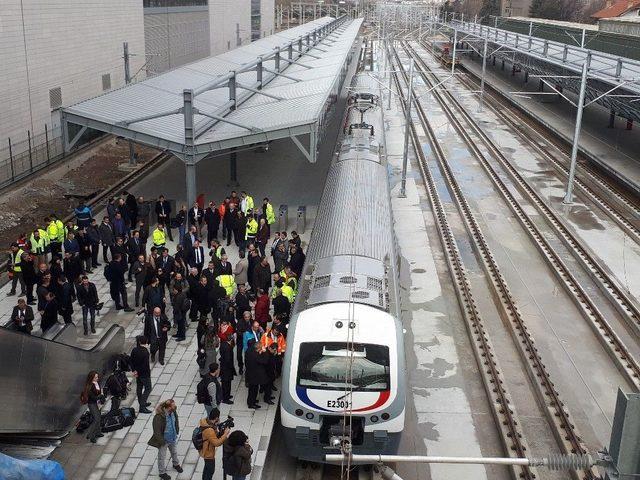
x: 606, y: 334
x: 620, y: 207
x: 549, y: 403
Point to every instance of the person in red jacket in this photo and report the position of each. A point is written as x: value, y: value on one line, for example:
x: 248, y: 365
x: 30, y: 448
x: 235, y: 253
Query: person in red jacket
x: 262, y: 309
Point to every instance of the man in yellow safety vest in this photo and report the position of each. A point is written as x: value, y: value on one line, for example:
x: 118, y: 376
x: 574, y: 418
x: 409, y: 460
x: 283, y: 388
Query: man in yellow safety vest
x: 159, y: 238
x: 268, y: 213
x: 16, y: 268
x: 228, y: 283
x: 246, y: 204
x: 252, y: 229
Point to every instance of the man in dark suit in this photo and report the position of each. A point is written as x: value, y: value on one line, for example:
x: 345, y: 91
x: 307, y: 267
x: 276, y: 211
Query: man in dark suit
x: 166, y: 263
x: 210, y: 272
x: 115, y: 275
x: 22, y: 317
x: 224, y: 267
x: 196, y: 256
x: 88, y: 300
x: 134, y: 249
x: 195, y: 216
x: 163, y: 212
x: 156, y: 326
x: 49, y: 312
x: 67, y: 295
x: 212, y: 219
x: 189, y: 239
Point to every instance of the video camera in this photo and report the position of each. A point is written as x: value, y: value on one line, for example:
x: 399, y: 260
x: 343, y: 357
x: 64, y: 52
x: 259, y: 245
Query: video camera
x: 222, y: 426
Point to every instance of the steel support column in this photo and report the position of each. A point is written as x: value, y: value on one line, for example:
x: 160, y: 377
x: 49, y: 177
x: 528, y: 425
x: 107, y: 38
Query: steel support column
x: 189, y: 143
x: 127, y: 80
x: 568, y: 198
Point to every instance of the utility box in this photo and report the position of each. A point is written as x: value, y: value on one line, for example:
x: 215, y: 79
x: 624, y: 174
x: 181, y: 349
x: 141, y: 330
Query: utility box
x: 302, y: 219
x: 624, y: 446
x: 283, y: 218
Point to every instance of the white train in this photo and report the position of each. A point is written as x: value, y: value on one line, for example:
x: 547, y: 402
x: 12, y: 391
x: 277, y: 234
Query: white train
x: 344, y: 378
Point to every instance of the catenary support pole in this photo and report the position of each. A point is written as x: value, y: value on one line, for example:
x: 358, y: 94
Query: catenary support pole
x: 484, y: 69
x: 407, y: 127
x: 453, y: 56
x: 568, y: 198
x: 127, y: 80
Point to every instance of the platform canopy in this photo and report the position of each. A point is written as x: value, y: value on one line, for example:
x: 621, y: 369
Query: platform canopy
x: 281, y: 86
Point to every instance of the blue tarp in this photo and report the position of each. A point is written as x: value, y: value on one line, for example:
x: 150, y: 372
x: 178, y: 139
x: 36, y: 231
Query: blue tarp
x: 14, y: 469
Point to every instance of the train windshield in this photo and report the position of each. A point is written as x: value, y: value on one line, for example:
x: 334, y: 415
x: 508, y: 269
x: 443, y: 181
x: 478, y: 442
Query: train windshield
x: 334, y: 366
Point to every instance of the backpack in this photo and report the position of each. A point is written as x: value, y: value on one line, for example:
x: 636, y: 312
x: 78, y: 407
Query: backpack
x: 202, y: 390
x: 107, y: 272
x: 117, y: 383
x: 196, y: 437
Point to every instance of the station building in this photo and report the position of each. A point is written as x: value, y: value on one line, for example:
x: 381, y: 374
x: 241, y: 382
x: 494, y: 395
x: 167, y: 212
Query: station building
x: 55, y: 54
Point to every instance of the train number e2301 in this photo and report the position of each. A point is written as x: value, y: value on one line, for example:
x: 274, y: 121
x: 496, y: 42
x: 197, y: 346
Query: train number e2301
x: 338, y: 404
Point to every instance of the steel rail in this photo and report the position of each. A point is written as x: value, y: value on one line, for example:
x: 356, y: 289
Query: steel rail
x: 563, y: 430
x: 625, y: 306
x: 505, y: 416
x: 597, y: 180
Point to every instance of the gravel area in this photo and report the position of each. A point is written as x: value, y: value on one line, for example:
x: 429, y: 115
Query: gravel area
x: 57, y: 190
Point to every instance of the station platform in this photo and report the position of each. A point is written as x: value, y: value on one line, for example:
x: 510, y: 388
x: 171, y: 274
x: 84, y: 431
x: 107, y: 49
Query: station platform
x: 613, y: 150
x: 284, y: 176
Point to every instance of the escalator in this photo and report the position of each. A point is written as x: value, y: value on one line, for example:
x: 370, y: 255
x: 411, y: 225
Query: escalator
x: 42, y: 378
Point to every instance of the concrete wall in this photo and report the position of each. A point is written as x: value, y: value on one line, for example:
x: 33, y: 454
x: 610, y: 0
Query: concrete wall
x: 618, y: 25
x: 225, y: 18
x: 268, y: 12
x: 68, y: 44
x: 175, y: 36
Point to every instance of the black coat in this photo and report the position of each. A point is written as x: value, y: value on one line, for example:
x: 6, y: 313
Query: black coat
x: 150, y: 331
x: 134, y: 249
x: 227, y: 370
x: 296, y: 262
x: 225, y: 269
x: 195, y: 218
x: 140, y: 362
x: 212, y: 217
x: 281, y: 305
x: 200, y: 295
x: 87, y: 296
x: 167, y: 208
x: 117, y: 273
x: 242, y: 304
x: 256, y: 365
x: 191, y: 260
x: 50, y: 315
x: 262, y: 277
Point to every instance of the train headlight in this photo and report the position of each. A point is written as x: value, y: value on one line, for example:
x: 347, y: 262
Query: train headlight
x: 374, y: 418
x: 339, y: 324
x: 385, y: 416
x: 299, y: 412
x: 309, y: 416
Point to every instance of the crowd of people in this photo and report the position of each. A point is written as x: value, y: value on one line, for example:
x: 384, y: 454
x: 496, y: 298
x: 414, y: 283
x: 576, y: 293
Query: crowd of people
x: 243, y: 307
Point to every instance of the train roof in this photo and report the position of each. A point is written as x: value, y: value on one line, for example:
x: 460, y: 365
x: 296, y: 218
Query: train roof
x: 330, y: 323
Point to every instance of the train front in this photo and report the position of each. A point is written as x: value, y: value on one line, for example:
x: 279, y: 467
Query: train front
x: 343, y: 382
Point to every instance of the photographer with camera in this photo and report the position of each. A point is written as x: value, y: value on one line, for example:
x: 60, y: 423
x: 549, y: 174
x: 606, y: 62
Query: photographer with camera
x: 209, y: 435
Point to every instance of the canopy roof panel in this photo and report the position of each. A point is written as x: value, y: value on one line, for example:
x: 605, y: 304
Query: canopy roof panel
x: 311, y: 57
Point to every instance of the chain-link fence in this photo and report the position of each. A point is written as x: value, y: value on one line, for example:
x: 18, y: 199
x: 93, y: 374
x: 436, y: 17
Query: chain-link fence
x: 22, y: 158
